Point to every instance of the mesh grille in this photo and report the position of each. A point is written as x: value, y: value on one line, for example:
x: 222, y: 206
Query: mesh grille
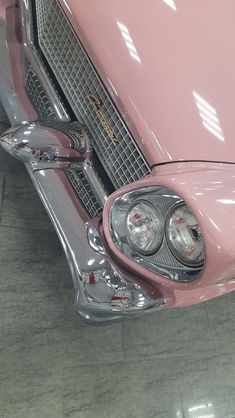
x: 78, y: 79
x: 84, y: 191
x: 37, y: 94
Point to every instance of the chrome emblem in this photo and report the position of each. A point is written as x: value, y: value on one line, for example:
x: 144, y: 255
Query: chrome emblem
x: 97, y: 104
x: 78, y: 137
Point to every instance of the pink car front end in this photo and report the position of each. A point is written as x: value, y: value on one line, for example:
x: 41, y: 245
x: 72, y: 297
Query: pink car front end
x: 123, y: 116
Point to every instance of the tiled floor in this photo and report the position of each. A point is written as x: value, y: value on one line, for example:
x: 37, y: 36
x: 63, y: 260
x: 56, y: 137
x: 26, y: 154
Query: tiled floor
x: 178, y: 363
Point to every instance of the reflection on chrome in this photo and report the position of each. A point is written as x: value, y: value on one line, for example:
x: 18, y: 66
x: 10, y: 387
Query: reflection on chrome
x: 209, y: 117
x: 66, y: 4
x: 129, y: 41
x: 171, y: 4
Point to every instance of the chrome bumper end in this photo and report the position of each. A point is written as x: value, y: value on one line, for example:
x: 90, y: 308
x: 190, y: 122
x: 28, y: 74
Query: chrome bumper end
x: 103, y: 290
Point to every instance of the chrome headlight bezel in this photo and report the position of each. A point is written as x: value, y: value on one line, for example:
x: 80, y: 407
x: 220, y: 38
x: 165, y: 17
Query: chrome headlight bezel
x: 163, y: 262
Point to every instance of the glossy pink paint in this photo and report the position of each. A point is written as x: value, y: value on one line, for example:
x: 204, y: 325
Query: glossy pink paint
x: 170, y: 66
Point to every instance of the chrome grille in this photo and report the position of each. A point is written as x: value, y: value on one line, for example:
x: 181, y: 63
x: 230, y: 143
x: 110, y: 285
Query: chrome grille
x: 37, y: 94
x: 78, y: 79
x: 84, y: 191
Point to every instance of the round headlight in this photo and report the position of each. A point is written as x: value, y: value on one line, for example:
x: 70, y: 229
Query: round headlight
x: 184, y: 236
x: 144, y: 227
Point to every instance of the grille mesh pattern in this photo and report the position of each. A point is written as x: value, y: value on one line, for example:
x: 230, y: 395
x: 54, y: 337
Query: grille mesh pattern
x: 37, y: 94
x: 84, y: 191
x: 78, y: 79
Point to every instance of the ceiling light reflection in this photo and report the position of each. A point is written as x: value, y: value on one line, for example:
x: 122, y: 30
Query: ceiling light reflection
x: 209, y: 117
x: 171, y: 4
x: 129, y: 41
x: 226, y: 201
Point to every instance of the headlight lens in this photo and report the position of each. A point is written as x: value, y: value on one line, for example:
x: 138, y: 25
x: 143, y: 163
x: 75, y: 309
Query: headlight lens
x: 144, y: 227
x: 184, y: 236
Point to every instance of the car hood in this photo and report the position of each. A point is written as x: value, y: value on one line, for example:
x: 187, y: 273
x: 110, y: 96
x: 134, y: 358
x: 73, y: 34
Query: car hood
x: 170, y: 67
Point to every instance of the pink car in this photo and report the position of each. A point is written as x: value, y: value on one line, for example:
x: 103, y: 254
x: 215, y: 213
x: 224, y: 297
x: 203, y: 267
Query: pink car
x: 123, y: 114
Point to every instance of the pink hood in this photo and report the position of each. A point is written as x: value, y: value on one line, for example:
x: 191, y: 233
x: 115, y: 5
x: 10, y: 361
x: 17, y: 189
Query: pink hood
x: 171, y: 67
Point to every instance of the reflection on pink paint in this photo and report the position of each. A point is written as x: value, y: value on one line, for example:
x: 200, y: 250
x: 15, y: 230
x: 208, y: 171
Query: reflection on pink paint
x: 129, y: 41
x: 171, y: 4
x: 209, y: 117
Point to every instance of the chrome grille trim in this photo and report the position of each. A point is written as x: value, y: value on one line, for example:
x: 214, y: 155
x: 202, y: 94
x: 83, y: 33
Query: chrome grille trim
x: 37, y: 93
x: 84, y: 191
x: 40, y: 71
x: 78, y: 79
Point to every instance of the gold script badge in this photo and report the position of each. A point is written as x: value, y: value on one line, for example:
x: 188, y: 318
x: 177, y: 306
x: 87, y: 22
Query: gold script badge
x: 97, y: 104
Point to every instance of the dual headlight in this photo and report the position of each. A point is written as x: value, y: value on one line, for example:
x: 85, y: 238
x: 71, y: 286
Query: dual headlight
x: 157, y: 227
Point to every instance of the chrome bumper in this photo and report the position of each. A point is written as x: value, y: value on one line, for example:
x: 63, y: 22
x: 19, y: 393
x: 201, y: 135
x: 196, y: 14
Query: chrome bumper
x: 103, y: 290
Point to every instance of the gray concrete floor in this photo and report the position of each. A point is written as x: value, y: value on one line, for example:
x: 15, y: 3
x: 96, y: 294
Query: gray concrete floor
x: 179, y: 363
